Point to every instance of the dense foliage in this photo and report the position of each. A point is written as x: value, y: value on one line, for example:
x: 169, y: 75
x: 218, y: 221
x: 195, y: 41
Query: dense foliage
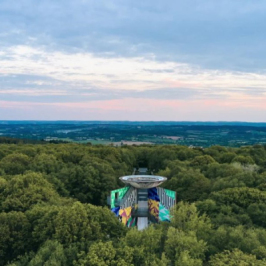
x: 53, y: 206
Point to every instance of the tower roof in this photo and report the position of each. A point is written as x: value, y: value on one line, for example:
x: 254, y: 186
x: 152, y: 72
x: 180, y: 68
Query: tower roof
x: 143, y: 181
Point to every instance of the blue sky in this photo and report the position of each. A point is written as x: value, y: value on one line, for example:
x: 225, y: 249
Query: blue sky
x: 133, y: 60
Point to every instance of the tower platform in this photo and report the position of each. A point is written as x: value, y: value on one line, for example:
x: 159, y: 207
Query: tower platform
x: 141, y: 201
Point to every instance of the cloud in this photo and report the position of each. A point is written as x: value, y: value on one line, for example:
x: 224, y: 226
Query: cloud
x: 159, y: 70
x: 137, y: 110
x: 98, y: 52
x: 37, y: 72
x: 210, y: 34
x: 35, y: 78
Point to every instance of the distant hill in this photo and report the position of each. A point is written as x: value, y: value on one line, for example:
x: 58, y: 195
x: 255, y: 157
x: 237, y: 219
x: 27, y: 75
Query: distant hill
x: 202, y: 134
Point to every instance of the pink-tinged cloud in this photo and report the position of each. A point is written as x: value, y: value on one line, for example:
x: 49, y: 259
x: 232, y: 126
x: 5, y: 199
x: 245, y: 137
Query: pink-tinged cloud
x: 128, y: 104
x: 173, y: 83
x: 139, y: 109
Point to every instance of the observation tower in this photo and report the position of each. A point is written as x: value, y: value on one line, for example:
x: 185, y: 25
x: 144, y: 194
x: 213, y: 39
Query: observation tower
x: 141, y: 201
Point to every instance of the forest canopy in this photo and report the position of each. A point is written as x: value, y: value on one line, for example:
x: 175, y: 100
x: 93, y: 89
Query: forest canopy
x: 53, y: 205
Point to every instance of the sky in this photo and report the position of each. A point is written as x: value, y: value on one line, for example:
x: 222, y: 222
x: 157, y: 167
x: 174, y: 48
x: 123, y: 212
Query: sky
x: 131, y: 60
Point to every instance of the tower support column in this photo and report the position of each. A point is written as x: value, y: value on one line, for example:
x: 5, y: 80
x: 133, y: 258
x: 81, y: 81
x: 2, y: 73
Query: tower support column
x: 142, y: 212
